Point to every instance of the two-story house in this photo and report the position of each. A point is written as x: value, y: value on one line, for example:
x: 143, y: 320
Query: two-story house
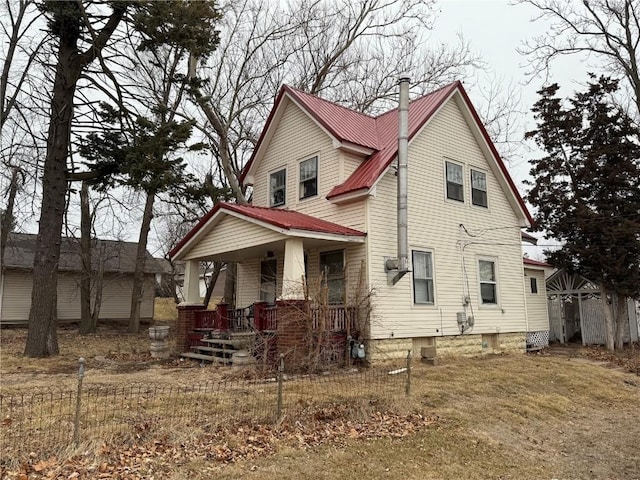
x: 324, y: 214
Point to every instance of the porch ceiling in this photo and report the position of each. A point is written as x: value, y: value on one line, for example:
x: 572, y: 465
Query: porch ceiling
x: 230, y: 236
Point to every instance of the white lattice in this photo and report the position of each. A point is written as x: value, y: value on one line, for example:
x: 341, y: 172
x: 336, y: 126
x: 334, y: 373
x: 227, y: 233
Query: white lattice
x: 538, y: 339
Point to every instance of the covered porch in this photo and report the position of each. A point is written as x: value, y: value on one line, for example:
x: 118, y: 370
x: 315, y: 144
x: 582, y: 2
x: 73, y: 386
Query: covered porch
x: 295, y: 276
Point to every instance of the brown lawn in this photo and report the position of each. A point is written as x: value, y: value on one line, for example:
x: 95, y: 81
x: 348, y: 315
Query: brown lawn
x: 570, y: 414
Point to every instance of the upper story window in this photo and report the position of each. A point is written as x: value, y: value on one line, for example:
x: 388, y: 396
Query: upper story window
x: 309, y: 177
x: 488, y: 282
x: 332, y: 268
x: 278, y: 187
x: 534, y: 284
x: 479, y: 188
x: 455, y: 182
x: 422, y: 277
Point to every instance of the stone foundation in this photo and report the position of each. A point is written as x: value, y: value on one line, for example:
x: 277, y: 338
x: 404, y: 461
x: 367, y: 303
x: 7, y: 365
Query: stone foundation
x: 450, y: 346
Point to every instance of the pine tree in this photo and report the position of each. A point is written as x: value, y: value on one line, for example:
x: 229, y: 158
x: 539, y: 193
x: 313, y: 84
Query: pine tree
x: 586, y: 191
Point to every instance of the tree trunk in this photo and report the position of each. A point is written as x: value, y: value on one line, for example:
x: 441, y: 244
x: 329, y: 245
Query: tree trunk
x: 6, y: 224
x: 230, y: 284
x: 217, y: 266
x: 86, y: 320
x: 609, y: 315
x: 41, y: 337
x: 138, y: 276
x: 622, y: 320
x: 98, y: 284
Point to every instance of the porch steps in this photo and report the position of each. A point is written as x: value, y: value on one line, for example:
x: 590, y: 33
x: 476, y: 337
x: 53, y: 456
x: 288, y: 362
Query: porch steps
x: 214, y: 349
x: 218, y: 350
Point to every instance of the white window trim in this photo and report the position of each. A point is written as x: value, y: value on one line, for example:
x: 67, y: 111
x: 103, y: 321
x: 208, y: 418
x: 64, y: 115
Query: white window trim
x: 270, y: 197
x: 299, y: 180
x: 433, y: 276
x: 444, y: 178
x: 486, y: 177
x: 481, y: 304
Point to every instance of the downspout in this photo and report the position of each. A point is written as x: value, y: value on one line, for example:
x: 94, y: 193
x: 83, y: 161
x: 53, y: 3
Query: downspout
x: 401, y: 263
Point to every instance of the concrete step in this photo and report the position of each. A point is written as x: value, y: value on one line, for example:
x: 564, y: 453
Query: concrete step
x: 206, y: 358
x: 220, y: 341
x: 225, y: 351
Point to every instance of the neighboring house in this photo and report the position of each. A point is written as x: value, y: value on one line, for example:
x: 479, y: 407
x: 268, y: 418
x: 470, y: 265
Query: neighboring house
x: 576, y: 311
x: 117, y: 263
x: 324, y: 209
x: 204, y: 279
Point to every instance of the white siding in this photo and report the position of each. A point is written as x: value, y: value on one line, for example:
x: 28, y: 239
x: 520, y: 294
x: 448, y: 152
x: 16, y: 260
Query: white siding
x: 434, y: 224
x: 232, y: 234
x: 537, y: 312
x: 297, y: 138
x: 116, y: 297
x: 16, y: 296
x: 248, y: 283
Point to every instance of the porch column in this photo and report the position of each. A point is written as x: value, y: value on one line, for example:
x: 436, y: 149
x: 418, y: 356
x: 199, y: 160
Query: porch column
x: 294, y: 272
x: 191, y: 288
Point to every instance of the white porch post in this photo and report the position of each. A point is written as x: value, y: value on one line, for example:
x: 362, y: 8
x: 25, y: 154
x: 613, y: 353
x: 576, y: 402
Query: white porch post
x: 191, y: 286
x: 294, y: 272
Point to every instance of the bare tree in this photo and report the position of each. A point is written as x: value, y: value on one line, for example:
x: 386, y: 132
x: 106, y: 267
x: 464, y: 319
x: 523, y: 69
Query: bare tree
x: 67, y: 23
x: 349, y: 52
x: 19, y: 49
x: 608, y: 30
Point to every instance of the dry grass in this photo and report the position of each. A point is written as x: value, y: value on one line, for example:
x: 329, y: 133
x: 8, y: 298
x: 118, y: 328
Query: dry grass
x: 515, y: 416
x: 165, y: 311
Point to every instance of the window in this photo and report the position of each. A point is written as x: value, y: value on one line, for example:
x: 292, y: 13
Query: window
x: 332, y: 266
x: 268, y: 275
x: 309, y: 178
x: 455, y: 188
x: 534, y: 284
x: 422, y: 277
x: 278, y: 187
x: 479, y: 188
x: 488, y: 284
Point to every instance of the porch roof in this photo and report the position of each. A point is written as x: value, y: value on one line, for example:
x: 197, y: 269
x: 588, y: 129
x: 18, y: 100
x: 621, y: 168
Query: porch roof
x: 281, y: 222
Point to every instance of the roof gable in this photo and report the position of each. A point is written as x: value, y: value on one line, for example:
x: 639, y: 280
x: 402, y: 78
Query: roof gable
x: 379, y: 135
x: 287, y: 221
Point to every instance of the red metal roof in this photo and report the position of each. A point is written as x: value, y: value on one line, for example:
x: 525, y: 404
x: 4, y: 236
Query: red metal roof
x: 282, y: 218
x: 342, y: 122
x: 536, y: 263
x: 420, y: 111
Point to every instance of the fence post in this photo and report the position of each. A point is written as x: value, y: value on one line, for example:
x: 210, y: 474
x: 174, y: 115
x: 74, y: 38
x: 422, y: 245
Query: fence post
x: 280, y: 377
x: 407, y: 387
x: 76, y: 422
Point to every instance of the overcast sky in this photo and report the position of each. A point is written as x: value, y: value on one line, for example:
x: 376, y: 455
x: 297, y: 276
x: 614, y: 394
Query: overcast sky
x: 495, y: 29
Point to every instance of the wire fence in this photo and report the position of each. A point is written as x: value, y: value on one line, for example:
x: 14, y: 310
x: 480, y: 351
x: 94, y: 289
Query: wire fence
x: 44, y: 422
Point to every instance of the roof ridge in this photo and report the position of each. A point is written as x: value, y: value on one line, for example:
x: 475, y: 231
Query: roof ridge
x: 422, y: 97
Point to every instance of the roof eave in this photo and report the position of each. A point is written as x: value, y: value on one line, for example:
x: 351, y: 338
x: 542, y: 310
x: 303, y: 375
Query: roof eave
x: 349, y: 195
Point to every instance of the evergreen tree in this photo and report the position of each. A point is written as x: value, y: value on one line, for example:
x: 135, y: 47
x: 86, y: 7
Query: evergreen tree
x: 586, y: 191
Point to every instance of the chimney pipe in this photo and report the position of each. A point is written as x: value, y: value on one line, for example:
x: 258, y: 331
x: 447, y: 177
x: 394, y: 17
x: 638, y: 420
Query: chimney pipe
x: 401, y: 263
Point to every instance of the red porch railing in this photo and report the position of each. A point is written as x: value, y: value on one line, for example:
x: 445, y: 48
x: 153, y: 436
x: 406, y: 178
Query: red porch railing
x: 264, y: 317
